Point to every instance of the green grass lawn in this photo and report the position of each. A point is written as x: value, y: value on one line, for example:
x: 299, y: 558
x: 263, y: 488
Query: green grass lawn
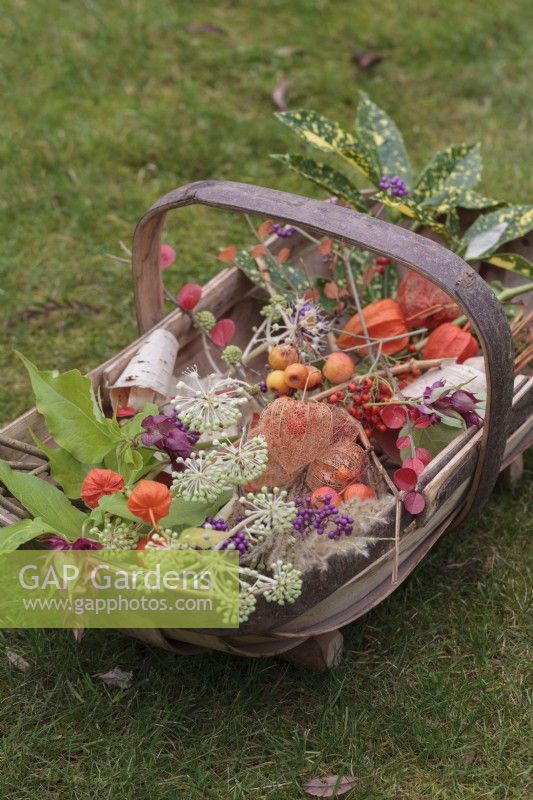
x: 108, y: 104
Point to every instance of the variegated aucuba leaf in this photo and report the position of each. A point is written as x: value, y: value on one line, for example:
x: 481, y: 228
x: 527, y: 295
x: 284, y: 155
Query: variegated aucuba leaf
x: 448, y: 176
x: 381, y: 141
x: 327, y: 178
x: 513, y: 262
x: 284, y: 277
x: 326, y: 134
x: 407, y: 207
x: 491, y: 230
x: 473, y: 200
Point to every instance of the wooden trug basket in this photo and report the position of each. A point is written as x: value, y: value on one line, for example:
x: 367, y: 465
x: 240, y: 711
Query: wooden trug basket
x: 457, y: 482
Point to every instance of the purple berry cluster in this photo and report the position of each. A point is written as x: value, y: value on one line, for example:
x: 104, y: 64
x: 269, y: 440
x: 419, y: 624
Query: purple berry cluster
x: 262, y: 386
x: 284, y: 232
x: 217, y: 524
x: 168, y: 433
x: 394, y: 184
x: 315, y: 520
x: 236, y: 542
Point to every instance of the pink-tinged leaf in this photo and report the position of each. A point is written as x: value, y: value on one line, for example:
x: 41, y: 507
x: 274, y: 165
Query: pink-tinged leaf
x: 405, y: 479
x: 223, y: 332
x: 393, y: 416
x: 265, y: 229
x: 189, y: 296
x: 424, y: 455
x: 415, y: 464
x: 228, y: 254
x: 330, y: 786
x: 278, y: 95
x: 167, y: 256
x: 414, y: 503
x: 325, y: 247
x: 403, y: 442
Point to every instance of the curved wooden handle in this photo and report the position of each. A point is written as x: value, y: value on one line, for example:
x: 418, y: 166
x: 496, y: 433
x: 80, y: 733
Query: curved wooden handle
x: 422, y: 255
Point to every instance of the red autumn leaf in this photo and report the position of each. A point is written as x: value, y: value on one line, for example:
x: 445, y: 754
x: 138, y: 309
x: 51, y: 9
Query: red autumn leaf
x: 312, y: 294
x: 422, y: 422
x: 415, y: 464
x: 124, y: 412
x: 283, y: 255
x: 403, y: 442
x: 223, y: 332
x: 228, y: 254
x: 405, y: 478
x: 258, y: 251
x: 424, y: 455
x: 265, y: 229
x: 189, y: 296
x: 414, y: 503
x: 393, y: 416
x: 325, y: 247
x: 331, y: 290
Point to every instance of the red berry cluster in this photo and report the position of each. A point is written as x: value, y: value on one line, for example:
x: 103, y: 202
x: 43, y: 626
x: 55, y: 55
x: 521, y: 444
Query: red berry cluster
x: 358, y: 399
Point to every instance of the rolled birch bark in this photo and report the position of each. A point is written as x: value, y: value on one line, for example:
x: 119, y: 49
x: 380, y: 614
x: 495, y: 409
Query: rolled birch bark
x: 149, y: 376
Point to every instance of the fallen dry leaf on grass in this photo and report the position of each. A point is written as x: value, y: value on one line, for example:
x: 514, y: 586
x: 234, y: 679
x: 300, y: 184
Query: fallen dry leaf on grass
x: 366, y: 60
x: 17, y: 661
x: 330, y: 786
x: 116, y: 677
x: 455, y: 565
x: 204, y: 27
x: 278, y: 95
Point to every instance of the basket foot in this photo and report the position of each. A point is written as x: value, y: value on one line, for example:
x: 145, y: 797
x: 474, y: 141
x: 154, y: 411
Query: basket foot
x: 320, y: 652
x: 512, y: 474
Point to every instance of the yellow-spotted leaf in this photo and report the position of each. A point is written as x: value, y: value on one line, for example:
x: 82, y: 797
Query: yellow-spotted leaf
x: 491, y: 230
x: 408, y: 207
x: 513, y: 262
x: 381, y: 141
x: 327, y: 135
x: 327, y: 178
x: 448, y: 176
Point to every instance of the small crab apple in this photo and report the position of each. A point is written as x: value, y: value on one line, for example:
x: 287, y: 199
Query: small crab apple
x: 296, y: 375
x: 314, y: 377
x: 321, y: 494
x: 358, y: 491
x: 282, y: 355
x: 276, y: 382
x: 339, y: 367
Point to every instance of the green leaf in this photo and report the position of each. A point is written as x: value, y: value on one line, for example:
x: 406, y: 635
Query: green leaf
x: 381, y: 141
x: 327, y: 178
x: 64, y: 468
x: 410, y: 209
x: 117, y: 504
x: 185, y: 512
x: 491, y: 230
x: 133, y: 427
x: 68, y: 404
x: 327, y: 135
x: 448, y: 176
x: 43, y: 500
x: 512, y: 261
x: 285, y: 277
x: 13, y: 536
x: 435, y: 438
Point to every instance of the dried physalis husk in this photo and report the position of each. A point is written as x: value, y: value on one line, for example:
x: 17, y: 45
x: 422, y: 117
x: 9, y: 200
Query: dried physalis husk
x: 341, y: 464
x: 295, y: 431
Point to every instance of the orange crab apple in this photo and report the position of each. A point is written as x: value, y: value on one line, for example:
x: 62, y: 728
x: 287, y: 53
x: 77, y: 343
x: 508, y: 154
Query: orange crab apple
x: 276, y: 381
x: 282, y: 355
x: 358, y: 491
x: 296, y: 375
x: 319, y: 496
x: 314, y: 377
x: 339, y: 368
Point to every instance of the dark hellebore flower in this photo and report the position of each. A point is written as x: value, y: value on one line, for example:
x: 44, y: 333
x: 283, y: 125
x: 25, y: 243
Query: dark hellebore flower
x: 168, y: 434
x: 59, y: 543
